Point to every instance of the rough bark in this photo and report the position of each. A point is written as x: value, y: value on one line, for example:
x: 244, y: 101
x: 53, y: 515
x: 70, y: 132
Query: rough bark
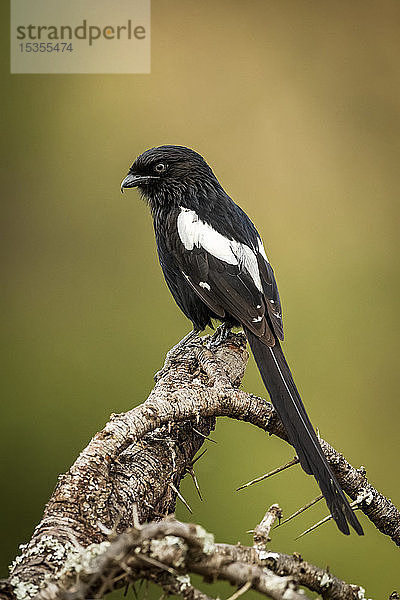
x: 130, y: 472
x: 166, y: 552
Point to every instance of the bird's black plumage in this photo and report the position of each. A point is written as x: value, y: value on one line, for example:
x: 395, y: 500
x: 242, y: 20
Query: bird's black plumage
x: 215, y: 266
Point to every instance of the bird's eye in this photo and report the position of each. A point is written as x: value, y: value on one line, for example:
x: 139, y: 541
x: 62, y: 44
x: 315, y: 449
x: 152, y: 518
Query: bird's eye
x: 160, y: 167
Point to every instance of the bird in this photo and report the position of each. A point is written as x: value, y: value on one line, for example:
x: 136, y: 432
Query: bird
x: 216, y: 268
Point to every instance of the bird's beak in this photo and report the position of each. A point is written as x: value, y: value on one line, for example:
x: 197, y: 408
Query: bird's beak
x: 132, y: 180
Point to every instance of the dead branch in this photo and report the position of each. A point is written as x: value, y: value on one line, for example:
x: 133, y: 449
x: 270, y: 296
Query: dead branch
x: 261, y: 532
x: 167, y: 551
x: 131, y: 470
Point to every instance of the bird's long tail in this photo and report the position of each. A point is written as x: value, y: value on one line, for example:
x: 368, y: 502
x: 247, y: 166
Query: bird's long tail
x: 286, y: 399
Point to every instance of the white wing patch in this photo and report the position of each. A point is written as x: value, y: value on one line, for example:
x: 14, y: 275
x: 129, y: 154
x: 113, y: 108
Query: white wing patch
x: 246, y: 258
x: 261, y: 250
x: 194, y: 232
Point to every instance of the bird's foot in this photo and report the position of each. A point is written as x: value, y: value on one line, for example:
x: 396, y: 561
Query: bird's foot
x: 192, y: 338
x: 220, y: 336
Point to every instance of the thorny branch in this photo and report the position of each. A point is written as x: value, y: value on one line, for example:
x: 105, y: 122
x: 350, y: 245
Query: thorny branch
x: 167, y: 551
x: 130, y: 472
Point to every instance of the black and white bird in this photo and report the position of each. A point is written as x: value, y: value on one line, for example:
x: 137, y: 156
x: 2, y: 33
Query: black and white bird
x: 216, y: 267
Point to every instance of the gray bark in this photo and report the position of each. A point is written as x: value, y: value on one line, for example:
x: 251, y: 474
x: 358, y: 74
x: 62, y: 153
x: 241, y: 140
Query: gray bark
x: 130, y: 472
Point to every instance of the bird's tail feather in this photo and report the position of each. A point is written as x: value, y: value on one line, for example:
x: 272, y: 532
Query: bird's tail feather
x: 286, y: 399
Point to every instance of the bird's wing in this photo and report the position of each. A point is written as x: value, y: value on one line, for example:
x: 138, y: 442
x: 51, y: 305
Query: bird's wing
x: 228, y: 275
x: 271, y: 294
x: 176, y: 280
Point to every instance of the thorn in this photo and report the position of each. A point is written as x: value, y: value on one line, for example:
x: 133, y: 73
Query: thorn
x: 324, y: 520
x: 121, y: 576
x: 298, y: 512
x: 196, y: 483
x: 104, y: 530
x: 199, y: 456
x: 245, y: 588
x: 292, y: 462
x: 204, y: 436
x: 135, y: 516
x: 110, y: 533
x: 155, y: 563
x: 181, y: 498
x: 354, y: 504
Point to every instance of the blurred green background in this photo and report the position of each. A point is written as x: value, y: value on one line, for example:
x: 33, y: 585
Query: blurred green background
x: 296, y: 105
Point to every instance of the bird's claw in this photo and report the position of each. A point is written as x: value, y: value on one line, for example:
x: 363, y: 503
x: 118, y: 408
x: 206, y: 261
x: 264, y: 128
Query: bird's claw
x: 220, y: 336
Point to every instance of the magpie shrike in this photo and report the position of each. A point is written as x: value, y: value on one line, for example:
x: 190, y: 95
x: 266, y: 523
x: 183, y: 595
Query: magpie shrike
x: 215, y: 266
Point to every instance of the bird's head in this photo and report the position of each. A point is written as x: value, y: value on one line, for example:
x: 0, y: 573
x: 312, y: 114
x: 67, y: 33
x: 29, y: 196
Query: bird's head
x: 168, y: 173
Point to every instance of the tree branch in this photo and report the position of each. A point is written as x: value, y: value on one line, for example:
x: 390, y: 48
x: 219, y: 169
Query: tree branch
x: 131, y: 470
x: 165, y: 552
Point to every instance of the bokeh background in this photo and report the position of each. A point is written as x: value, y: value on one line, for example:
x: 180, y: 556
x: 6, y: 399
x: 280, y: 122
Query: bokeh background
x: 296, y: 105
